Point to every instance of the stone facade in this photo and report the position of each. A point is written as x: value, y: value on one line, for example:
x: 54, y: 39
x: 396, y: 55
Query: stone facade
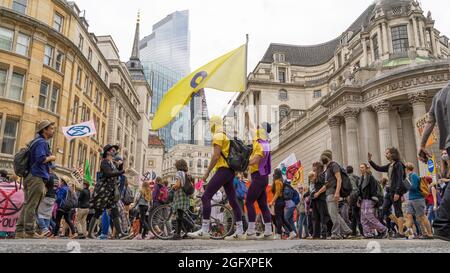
x: 198, y: 158
x: 51, y: 68
x: 361, y: 92
x: 155, y: 154
x: 123, y: 116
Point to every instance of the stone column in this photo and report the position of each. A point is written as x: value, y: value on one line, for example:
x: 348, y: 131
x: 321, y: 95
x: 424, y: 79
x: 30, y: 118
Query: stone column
x: 421, y: 34
x: 410, y: 150
x: 433, y: 42
x: 336, y: 143
x: 351, y: 120
x: 365, y: 61
x: 382, y: 109
x: 418, y: 101
x: 370, y: 138
x: 416, y: 34
x: 385, y: 38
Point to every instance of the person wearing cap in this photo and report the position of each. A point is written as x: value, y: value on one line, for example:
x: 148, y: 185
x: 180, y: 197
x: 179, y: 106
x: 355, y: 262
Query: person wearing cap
x: 333, y: 180
x: 40, y: 161
x: 260, y: 169
x: 105, y: 196
x: 223, y: 177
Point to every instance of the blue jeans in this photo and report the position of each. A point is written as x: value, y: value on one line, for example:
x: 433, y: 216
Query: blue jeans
x: 431, y: 214
x: 44, y: 224
x: 302, y: 223
x: 105, y: 223
x: 289, y: 216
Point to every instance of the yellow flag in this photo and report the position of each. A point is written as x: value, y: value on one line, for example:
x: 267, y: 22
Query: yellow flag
x: 226, y: 73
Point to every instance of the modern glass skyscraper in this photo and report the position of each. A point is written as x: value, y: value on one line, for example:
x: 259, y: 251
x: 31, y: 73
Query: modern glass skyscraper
x: 165, y: 55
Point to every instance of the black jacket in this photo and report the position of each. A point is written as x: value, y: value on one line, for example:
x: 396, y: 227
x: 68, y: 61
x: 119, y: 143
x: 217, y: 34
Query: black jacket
x: 83, y: 199
x: 51, y: 185
x: 397, y: 177
x: 368, y: 188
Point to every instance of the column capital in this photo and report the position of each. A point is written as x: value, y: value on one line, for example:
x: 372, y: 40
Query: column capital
x: 335, y: 121
x: 418, y: 97
x: 351, y: 113
x: 367, y: 109
x: 405, y: 110
x: 382, y: 106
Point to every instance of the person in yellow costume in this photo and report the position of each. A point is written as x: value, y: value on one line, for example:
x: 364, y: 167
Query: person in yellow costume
x: 223, y: 177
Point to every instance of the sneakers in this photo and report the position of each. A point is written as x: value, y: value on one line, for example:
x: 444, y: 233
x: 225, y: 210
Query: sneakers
x: 251, y: 237
x: 264, y: 237
x: 292, y: 236
x: 199, y: 235
x: 138, y: 237
x: 277, y: 237
x: 383, y: 235
x: 236, y: 237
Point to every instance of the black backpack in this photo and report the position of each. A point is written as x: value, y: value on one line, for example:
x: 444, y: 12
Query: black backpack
x: 346, y: 187
x: 127, y: 197
x: 71, y: 201
x: 188, y: 186
x: 22, y: 160
x: 239, y: 155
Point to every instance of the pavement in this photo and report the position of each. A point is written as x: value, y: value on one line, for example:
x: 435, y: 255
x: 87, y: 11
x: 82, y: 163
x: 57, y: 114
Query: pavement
x: 210, y: 246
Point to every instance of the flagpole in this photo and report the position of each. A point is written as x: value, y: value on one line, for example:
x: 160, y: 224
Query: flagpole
x: 246, y: 62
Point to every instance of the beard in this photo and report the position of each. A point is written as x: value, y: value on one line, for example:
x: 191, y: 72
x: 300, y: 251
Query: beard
x: 325, y: 160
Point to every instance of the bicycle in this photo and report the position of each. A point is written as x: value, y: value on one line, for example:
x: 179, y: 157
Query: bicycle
x: 163, y: 222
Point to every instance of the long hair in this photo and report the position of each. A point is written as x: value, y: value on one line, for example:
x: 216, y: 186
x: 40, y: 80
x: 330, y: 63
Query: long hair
x: 445, y: 169
x: 146, y: 192
x: 277, y: 175
x: 181, y: 165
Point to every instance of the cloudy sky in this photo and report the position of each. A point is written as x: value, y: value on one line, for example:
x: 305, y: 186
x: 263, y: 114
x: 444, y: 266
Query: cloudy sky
x: 218, y: 26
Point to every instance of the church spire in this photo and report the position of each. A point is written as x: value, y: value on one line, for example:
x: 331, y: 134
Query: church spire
x: 135, y: 52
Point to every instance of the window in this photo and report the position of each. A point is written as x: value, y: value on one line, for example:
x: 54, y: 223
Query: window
x: 376, y: 48
x: 6, y: 38
x: 132, y: 147
x: 282, y: 75
x: 191, y: 164
x: 92, y: 162
x: 83, y: 113
x: 283, y: 95
x: 59, y: 61
x: 9, y: 136
x: 119, y: 132
x: 16, y: 89
x: 58, y: 21
x: 99, y: 68
x: 125, y: 141
x: 105, y: 105
x: 88, y: 114
x: 317, y: 94
x: 80, y: 155
x: 48, y: 55
x: 280, y: 58
x: 3, y: 76
x: 199, y: 164
x: 71, y: 150
x: 97, y: 97
x: 89, y: 91
x: 120, y: 112
x: 20, y: 6
x: 106, y: 78
x: 206, y: 164
x: 54, y: 99
x: 43, y: 94
x: 284, y: 111
x: 76, y: 105
x: 23, y: 43
x: 100, y: 102
x: 90, y: 55
x: 86, y: 84
x: 400, y: 41
x: 103, y: 133
x: 78, y: 81
x: 81, y: 42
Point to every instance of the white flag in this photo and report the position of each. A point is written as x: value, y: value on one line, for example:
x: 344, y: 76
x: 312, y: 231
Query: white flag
x: 80, y: 130
x: 291, y: 160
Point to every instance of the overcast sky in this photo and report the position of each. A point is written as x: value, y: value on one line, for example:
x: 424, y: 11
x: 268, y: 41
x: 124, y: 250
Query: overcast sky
x: 218, y: 26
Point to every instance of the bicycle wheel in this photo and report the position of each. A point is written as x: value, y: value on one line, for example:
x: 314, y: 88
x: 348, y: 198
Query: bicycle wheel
x: 222, y: 222
x: 163, y: 222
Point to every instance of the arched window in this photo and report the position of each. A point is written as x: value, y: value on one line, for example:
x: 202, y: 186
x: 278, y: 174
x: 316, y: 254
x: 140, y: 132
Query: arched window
x: 283, y: 95
x: 284, y: 111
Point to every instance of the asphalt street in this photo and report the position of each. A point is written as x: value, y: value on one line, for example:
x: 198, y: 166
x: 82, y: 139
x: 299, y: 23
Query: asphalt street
x: 190, y: 246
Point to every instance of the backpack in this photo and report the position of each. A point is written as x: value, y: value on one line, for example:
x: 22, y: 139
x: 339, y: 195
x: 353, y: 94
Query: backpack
x: 346, y: 187
x: 127, y: 197
x: 163, y: 194
x: 424, y: 187
x: 380, y: 195
x: 241, y: 190
x: 71, y: 200
x: 407, y: 184
x: 288, y: 191
x: 239, y: 155
x: 22, y: 160
x: 296, y: 198
x: 188, y: 186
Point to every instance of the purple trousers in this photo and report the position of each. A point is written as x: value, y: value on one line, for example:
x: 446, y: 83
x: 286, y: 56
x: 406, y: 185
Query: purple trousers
x: 368, y: 219
x: 222, y: 178
x: 257, y: 193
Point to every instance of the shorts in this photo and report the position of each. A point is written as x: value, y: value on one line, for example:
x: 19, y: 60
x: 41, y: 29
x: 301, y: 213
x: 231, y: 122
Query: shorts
x: 416, y: 207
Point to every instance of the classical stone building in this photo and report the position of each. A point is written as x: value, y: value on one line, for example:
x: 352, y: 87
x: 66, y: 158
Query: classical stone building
x: 50, y: 68
x: 197, y: 157
x: 123, y: 117
x: 155, y: 154
x: 361, y: 92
